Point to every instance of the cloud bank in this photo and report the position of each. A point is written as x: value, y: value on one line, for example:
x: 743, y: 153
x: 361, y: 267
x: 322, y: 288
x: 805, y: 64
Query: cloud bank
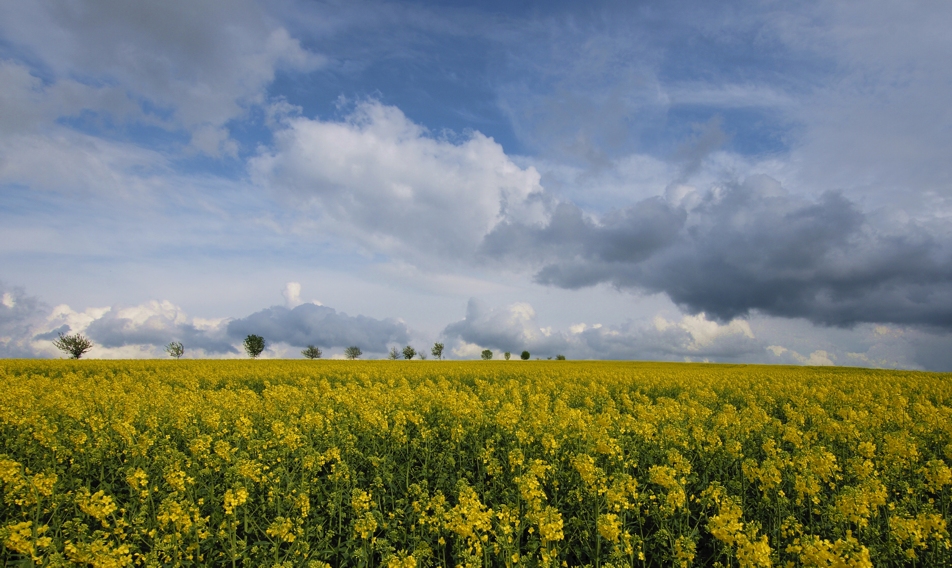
x: 747, y: 247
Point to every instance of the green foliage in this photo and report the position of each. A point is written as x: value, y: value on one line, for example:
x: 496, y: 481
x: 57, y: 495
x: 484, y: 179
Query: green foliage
x: 437, y: 350
x: 175, y: 349
x: 525, y: 356
x: 353, y: 352
x: 254, y: 346
x: 560, y: 357
x: 74, y: 345
x: 486, y: 354
x: 312, y: 352
x: 507, y: 355
x: 409, y: 352
x: 394, y: 354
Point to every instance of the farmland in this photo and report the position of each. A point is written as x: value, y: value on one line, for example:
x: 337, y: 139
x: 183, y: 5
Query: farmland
x: 428, y: 463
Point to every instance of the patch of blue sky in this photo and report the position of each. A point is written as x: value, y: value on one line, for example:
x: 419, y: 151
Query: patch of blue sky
x: 446, y: 88
x: 748, y: 131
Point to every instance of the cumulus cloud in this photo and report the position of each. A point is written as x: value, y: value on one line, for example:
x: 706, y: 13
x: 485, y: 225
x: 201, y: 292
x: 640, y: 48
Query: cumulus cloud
x: 749, y: 246
x: 154, y: 325
x: 515, y: 328
x: 383, y: 181
x: 512, y: 328
x: 310, y: 324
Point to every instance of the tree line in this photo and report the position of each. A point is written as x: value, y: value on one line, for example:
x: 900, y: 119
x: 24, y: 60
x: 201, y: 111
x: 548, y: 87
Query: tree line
x: 76, y: 345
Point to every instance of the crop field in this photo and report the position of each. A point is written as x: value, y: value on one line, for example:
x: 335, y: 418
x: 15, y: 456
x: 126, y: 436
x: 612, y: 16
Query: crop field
x: 429, y: 463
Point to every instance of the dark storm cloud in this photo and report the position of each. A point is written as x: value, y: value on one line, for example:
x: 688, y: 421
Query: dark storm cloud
x: 621, y: 237
x: 749, y: 246
x: 310, y: 324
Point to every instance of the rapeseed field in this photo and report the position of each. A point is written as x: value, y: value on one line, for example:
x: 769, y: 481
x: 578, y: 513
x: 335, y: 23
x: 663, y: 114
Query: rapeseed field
x: 428, y: 463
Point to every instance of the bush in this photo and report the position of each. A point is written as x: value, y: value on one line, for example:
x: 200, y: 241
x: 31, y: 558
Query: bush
x: 75, y: 345
x: 560, y: 357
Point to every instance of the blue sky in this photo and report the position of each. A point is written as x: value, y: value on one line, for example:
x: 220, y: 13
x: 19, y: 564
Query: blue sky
x: 762, y: 182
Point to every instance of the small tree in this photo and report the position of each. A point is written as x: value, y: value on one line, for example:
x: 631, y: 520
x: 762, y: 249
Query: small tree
x: 394, y: 354
x: 437, y: 351
x: 422, y: 355
x: 409, y: 352
x: 312, y: 352
x: 254, y: 345
x: 487, y: 355
x: 507, y: 355
x: 353, y: 352
x: 74, y: 345
x: 560, y: 357
x: 525, y: 356
x: 175, y: 349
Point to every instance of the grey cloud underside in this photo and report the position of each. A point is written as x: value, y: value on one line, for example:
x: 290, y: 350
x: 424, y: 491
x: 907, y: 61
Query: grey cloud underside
x: 17, y: 321
x: 746, y: 247
x: 310, y: 324
x: 114, y: 331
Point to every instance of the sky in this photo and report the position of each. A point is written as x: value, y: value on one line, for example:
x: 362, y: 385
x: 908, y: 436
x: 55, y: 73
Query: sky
x: 739, y: 181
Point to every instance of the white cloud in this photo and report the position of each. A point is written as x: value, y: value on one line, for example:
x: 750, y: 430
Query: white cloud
x: 383, y: 181
x: 818, y: 358
x: 292, y: 294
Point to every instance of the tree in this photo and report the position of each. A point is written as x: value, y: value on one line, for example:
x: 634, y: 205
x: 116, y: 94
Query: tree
x: 560, y: 357
x: 254, y: 345
x: 408, y: 352
x: 394, y: 354
x: 422, y: 355
x: 507, y: 355
x: 525, y: 356
x: 437, y: 351
x: 175, y: 349
x: 487, y: 355
x: 75, y: 345
x: 353, y: 352
x: 312, y: 352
